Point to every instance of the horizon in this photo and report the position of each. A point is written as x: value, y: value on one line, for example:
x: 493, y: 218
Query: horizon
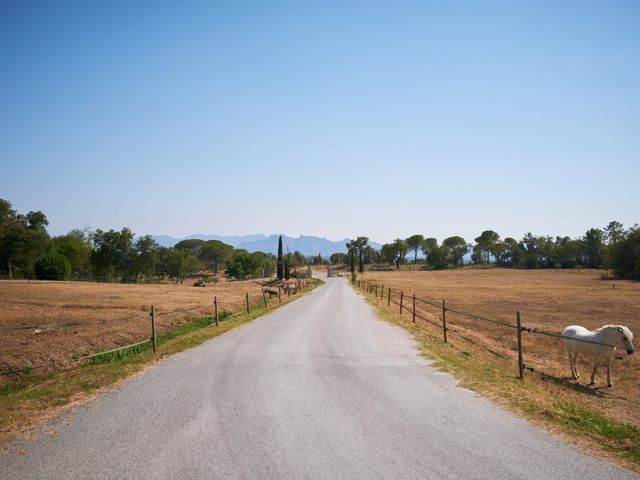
x: 322, y: 120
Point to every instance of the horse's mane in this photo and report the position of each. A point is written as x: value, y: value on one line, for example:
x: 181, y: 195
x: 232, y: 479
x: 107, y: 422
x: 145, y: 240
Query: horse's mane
x: 605, y: 327
x: 628, y: 332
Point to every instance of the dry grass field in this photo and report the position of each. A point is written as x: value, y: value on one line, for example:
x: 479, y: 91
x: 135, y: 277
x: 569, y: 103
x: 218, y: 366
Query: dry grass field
x: 107, y: 316
x: 548, y: 300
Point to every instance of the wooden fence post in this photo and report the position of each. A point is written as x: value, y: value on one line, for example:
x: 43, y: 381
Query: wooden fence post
x: 153, y: 328
x: 520, y: 361
x: 376, y: 290
x: 444, y: 320
x: 279, y: 294
x: 247, y: 297
x: 401, y: 299
x: 382, y: 292
x: 264, y: 298
x: 389, y: 297
x: 414, y: 308
x: 215, y: 309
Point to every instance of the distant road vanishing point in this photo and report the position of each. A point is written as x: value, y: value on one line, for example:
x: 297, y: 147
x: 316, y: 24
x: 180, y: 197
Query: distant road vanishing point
x: 319, y: 389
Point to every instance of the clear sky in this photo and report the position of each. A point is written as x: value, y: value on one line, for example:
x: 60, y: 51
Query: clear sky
x: 322, y: 118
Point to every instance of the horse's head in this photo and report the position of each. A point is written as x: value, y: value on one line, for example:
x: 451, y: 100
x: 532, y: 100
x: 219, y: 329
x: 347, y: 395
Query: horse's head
x: 622, y: 337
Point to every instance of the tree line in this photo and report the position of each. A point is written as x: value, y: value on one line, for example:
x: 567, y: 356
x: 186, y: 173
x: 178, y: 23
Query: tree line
x: 612, y: 247
x: 28, y: 251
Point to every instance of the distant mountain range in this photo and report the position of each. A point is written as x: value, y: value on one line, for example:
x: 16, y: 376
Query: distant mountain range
x: 307, y: 245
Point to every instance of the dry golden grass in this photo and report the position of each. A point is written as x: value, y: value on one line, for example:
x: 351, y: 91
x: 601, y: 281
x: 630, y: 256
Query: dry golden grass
x: 548, y: 300
x: 27, y: 402
x: 109, y: 316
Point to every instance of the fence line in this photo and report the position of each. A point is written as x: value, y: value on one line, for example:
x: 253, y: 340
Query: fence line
x: 301, y: 286
x: 369, y: 286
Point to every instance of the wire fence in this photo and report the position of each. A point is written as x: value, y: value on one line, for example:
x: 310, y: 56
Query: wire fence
x: 220, y: 309
x: 501, y: 338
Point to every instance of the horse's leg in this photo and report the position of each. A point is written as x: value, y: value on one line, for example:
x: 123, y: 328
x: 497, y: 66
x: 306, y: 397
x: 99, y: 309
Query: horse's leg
x: 609, y: 384
x: 596, y: 361
x: 572, y: 362
x: 575, y: 365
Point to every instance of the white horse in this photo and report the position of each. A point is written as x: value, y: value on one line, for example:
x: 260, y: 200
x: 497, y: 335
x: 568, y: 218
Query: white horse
x: 600, y: 344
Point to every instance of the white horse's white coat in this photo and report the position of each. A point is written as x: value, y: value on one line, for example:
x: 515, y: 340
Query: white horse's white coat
x: 600, y: 344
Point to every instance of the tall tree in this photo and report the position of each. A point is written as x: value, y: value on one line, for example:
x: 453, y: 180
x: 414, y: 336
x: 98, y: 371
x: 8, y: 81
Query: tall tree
x: 174, y: 262
x: 280, y: 265
x: 23, y: 239
x: 623, y: 255
x: 76, y: 246
x: 351, y: 249
x: 513, y: 254
x: 484, y: 244
x: 112, y: 253
x: 215, y: 252
x: 428, y: 246
x: 415, y: 243
x: 359, y: 245
x: 194, y: 245
x: 530, y: 246
x: 244, y: 264
x: 458, y: 247
x: 395, y: 252
x: 614, y: 231
x: 145, y: 253
x: 594, y: 246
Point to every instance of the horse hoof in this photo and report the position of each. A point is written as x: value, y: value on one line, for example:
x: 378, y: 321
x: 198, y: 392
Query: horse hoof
x: 610, y: 385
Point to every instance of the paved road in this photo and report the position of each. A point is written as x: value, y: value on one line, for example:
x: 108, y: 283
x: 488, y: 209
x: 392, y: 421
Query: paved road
x: 320, y: 389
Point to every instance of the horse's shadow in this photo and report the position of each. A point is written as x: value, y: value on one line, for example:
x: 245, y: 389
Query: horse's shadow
x: 572, y: 384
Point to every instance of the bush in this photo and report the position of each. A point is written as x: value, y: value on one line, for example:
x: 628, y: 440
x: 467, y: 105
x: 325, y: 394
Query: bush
x: 53, y: 266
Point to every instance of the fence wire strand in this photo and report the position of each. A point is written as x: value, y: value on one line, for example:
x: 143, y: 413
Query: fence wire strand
x: 241, y: 302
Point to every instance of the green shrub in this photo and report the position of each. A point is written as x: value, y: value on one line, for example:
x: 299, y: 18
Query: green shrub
x: 53, y: 266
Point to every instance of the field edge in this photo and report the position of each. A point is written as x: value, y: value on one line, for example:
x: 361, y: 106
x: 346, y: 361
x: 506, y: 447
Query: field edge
x: 28, y: 404
x: 610, y: 440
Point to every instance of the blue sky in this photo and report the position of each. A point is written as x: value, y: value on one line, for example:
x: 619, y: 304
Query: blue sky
x: 334, y: 119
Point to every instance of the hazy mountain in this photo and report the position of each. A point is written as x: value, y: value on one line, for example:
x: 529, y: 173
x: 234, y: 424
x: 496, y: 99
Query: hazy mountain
x: 233, y: 240
x: 307, y: 245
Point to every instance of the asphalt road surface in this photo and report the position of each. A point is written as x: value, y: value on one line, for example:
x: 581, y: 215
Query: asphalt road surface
x: 319, y: 389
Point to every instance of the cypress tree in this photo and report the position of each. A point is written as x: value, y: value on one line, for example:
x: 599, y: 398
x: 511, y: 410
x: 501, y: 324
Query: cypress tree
x: 280, y: 268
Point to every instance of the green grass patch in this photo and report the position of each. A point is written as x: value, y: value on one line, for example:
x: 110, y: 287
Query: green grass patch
x: 120, y: 354
x: 36, y: 394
